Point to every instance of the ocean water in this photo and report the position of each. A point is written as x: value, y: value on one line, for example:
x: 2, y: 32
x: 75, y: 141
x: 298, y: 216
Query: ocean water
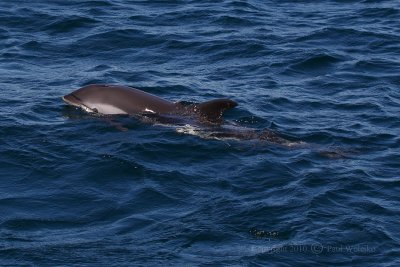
x: 75, y: 190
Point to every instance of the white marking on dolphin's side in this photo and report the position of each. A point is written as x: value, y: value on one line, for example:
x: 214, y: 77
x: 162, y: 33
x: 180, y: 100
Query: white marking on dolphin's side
x: 106, y: 109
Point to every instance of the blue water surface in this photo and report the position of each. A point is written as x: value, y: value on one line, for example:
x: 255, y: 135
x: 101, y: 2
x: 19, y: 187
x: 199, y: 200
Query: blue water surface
x: 77, y: 191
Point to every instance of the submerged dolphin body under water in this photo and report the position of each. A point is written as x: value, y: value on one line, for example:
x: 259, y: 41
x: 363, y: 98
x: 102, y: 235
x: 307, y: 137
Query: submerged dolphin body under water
x: 202, y: 119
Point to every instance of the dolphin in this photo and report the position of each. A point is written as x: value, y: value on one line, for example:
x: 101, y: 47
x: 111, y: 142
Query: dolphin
x: 105, y: 99
x: 115, y: 99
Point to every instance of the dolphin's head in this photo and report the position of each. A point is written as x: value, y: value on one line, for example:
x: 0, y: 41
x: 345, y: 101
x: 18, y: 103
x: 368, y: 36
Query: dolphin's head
x: 82, y: 98
x: 96, y: 98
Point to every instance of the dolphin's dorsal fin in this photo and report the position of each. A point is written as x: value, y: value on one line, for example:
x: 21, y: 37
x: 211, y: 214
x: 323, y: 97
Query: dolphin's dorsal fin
x: 213, y: 110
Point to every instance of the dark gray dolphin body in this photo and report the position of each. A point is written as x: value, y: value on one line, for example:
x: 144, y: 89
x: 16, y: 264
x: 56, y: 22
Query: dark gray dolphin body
x: 115, y: 99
